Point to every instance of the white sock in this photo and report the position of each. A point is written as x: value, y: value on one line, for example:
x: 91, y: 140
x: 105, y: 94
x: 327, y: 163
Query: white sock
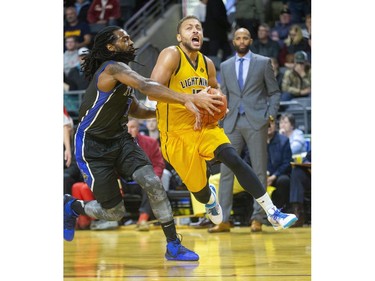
x: 266, y: 203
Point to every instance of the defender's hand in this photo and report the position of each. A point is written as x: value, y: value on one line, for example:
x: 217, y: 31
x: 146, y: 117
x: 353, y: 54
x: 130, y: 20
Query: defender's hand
x: 206, y: 101
x: 191, y: 107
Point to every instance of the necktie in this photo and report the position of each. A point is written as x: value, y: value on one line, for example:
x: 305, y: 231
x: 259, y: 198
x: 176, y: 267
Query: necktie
x: 241, y: 109
x: 240, y: 74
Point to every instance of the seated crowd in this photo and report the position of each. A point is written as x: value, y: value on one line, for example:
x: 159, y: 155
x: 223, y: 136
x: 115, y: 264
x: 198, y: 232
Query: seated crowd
x: 287, y: 41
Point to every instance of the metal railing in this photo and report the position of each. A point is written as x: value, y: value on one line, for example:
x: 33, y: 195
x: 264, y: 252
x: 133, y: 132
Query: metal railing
x: 138, y: 24
x: 305, y: 110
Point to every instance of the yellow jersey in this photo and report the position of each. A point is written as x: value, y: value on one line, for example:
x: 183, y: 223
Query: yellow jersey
x: 188, y: 79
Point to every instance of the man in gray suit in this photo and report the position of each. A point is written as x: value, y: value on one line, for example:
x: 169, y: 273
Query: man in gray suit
x: 253, y: 97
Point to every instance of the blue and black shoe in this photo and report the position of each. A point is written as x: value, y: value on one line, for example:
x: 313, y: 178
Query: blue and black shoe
x: 70, y: 217
x: 177, y: 252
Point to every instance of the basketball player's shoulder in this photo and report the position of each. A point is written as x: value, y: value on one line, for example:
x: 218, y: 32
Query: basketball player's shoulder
x: 171, y: 50
x: 170, y: 53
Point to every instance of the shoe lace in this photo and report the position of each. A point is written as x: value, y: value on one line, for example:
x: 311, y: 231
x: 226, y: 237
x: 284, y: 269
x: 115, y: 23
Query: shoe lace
x: 179, y: 237
x: 278, y: 214
x: 213, y: 210
x: 178, y: 248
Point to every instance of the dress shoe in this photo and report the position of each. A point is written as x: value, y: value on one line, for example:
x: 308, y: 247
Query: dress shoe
x: 256, y: 226
x: 143, y: 226
x: 222, y: 227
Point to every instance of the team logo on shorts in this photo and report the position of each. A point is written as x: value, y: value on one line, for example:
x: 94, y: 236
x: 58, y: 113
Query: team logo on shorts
x: 85, y: 177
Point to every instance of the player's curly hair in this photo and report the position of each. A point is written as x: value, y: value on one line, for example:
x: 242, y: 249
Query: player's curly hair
x: 100, y: 53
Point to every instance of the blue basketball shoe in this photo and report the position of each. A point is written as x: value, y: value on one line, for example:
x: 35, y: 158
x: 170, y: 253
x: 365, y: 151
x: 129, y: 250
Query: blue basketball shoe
x: 177, y: 252
x: 213, y: 210
x: 70, y: 217
x: 281, y: 220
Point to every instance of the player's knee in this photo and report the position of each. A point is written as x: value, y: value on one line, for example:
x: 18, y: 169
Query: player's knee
x: 146, y: 178
x: 114, y: 208
x: 117, y: 212
x: 227, y: 154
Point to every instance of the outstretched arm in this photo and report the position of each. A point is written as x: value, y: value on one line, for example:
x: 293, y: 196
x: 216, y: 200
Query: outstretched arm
x: 123, y: 73
x: 140, y: 111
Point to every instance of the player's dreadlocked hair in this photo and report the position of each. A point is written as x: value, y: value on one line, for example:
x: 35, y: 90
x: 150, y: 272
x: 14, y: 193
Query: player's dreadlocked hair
x: 100, y: 53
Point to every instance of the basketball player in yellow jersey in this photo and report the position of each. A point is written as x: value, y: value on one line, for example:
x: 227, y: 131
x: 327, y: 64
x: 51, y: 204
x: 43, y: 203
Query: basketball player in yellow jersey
x: 184, y: 69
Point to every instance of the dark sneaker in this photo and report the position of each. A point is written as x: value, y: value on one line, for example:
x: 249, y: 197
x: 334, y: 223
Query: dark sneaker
x: 177, y: 252
x: 70, y: 217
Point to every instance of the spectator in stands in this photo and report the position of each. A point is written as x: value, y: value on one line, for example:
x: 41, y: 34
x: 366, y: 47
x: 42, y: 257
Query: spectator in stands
x: 294, y: 43
x: 249, y: 14
x: 74, y: 27
x: 298, y: 9
x: 275, y: 37
x: 75, y: 78
x: 306, y: 28
x: 295, y: 135
x: 264, y: 45
x: 276, y: 70
x: 82, y: 7
x: 106, y: 12
x: 283, y: 25
x: 71, y: 58
x: 278, y: 165
x: 300, y: 183
x: 153, y: 130
x: 297, y: 81
x: 216, y: 29
x: 289, y: 62
x: 152, y: 149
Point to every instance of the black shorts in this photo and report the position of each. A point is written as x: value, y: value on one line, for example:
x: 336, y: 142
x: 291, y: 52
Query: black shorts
x: 103, y: 162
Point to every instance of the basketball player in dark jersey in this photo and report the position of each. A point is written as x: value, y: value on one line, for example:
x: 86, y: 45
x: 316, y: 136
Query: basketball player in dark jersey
x: 105, y: 150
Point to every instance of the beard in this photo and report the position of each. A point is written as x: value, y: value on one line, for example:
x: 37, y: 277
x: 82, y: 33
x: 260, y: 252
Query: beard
x: 190, y: 48
x: 126, y: 56
x: 242, y: 50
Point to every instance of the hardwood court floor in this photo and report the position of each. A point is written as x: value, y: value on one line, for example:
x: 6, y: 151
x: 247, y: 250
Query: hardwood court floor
x: 126, y: 254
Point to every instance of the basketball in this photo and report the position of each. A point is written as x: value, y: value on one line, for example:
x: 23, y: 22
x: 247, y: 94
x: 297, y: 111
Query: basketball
x: 209, y: 119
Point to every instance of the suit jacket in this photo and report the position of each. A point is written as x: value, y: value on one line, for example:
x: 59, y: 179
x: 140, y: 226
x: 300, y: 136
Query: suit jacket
x: 260, y: 95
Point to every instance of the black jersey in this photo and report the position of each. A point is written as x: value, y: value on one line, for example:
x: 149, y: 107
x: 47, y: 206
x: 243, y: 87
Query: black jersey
x: 101, y: 113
